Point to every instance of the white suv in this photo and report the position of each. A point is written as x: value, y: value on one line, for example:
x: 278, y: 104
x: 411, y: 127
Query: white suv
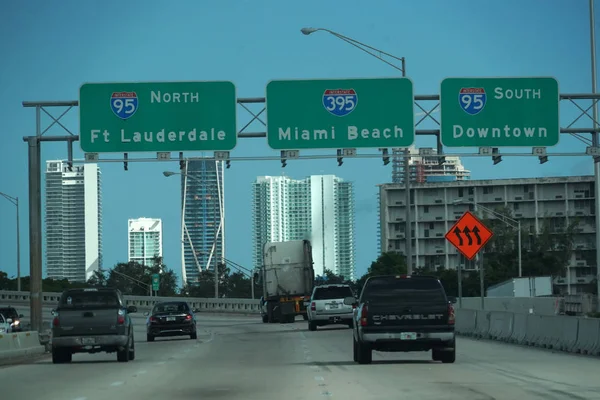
x: 327, y: 306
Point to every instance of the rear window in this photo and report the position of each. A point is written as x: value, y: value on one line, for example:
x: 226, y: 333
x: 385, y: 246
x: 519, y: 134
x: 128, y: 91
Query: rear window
x: 89, y: 300
x: 9, y: 313
x: 332, y: 293
x: 170, y: 307
x: 404, y: 290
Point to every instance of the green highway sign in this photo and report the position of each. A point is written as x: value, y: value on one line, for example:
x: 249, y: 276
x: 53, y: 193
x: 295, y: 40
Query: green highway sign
x: 157, y: 117
x: 499, y: 112
x: 340, y: 113
x: 155, y: 282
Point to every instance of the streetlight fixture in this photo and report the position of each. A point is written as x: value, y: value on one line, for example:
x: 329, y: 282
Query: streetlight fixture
x: 513, y: 223
x: 216, y: 271
x: 402, y: 68
x: 15, y: 202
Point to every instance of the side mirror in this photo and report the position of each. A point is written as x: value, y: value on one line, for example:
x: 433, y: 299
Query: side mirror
x: 349, y: 301
x: 452, y: 299
x: 53, y: 312
x: 20, y: 315
x: 146, y: 314
x: 131, y: 309
x: 9, y: 320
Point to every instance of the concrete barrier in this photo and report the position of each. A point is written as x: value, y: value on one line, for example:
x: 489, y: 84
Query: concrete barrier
x: 18, y: 345
x: 558, y: 332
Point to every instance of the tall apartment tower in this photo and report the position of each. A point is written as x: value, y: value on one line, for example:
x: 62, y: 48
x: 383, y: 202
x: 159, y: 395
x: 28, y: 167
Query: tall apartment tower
x: 145, y: 240
x: 319, y: 208
x: 202, y: 217
x: 423, y: 168
x: 73, y: 219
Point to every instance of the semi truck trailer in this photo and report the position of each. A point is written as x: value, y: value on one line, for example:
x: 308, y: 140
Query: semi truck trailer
x: 287, y: 277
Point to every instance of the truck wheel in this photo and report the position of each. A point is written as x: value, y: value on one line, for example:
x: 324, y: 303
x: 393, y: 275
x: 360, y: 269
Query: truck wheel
x: 312, y: 326
x: 354, y: 350
x: 149, y: 338
x: 448, y: 357
x: 265, y: 319
x: 61, y: 355
x: 305, y: 317
x: 123, y: 355
x: 364, y: 353
x: 132, y: 351
x: 194, y: 336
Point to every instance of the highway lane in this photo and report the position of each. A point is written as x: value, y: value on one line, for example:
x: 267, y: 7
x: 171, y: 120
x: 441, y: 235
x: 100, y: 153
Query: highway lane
x: 241, y: 358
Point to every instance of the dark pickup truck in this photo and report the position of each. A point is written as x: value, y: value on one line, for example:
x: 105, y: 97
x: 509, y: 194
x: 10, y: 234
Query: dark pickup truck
x: 92, y: 321
x: 403, y: 313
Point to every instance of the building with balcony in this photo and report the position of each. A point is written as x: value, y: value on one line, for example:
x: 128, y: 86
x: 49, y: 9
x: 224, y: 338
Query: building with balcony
x: 319, y: 208
x: 424, y: 169
x: 73, y: 220
x: 436, y: 207
x: 144, y: 240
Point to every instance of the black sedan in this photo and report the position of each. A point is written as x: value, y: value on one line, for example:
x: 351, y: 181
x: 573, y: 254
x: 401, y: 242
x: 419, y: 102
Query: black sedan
x: 172, y: 318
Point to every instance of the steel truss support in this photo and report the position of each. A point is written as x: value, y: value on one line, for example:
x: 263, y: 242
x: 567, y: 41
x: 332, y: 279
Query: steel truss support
x: 35, y: 167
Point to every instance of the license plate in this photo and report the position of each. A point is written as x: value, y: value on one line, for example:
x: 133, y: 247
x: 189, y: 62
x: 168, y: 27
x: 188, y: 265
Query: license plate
x: 408, y: 336
x: 333, y: 306
x: 170, y: 318
x: 88, y: 341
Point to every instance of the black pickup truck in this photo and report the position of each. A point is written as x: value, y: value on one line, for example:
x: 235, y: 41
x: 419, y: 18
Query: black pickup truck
x: 92, y: 321
x: 403, y: 313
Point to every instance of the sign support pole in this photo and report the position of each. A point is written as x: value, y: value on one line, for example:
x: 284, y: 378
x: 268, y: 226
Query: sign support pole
x: 595, y: 143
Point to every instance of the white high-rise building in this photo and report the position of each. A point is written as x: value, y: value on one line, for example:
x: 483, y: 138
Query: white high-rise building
x: 144, y: 240
x: 319, y: 208
x: 73, y: 221
x: 425, y: 169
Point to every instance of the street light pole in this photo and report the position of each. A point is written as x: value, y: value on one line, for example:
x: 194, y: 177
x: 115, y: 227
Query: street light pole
x: 363, y: 47
x: 15, y: 201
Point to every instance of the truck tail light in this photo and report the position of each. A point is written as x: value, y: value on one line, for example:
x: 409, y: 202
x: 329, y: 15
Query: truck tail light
x: 313, y: 306
x: 451, y: 315
x: 364, y: 313
x: 121, y: 318
x: 55, y: 321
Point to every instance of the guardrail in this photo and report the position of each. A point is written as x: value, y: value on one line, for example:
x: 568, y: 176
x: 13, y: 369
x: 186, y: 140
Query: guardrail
x: 17, y: 345
x: 245, y: 306
x: 571, y: 334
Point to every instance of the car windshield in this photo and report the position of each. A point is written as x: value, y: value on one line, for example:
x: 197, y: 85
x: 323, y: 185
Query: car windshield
x: 170, y: 308
x: 9, y: 313
x: 404, y: 290
x: 333, y: 292
x: 89, y: 300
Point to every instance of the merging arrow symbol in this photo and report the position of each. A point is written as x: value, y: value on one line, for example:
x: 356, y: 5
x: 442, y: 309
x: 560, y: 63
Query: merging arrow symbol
x: 467, y: 233
x: 457, y: 232
x: 476, y: 233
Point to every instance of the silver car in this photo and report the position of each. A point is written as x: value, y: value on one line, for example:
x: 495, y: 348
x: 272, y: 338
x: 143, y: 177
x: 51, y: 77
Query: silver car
x: 327, y: 306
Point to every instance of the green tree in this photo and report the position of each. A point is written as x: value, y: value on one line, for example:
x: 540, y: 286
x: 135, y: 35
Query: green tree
x: 389, y: 263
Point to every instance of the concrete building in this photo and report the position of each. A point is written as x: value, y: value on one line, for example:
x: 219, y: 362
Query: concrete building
x: 73, y: 221
x: 319, y: 208
x: 435, y: 207
x: 202, y: 217
x: 145, y: 240
x: 426, y: 168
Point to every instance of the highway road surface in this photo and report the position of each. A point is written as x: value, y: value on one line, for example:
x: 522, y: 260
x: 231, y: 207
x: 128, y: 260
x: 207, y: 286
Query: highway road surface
x: 242, y: 358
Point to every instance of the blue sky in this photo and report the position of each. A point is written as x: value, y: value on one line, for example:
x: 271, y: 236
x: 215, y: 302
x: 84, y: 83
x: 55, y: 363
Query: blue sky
x: 48, y: 49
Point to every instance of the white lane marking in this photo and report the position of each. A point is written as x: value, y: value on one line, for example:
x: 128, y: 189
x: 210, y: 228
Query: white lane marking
x: 117, y: 383
x: 319, y: 378
x: 140, y: 372
x: 160, y: 363
x: 80, y: 398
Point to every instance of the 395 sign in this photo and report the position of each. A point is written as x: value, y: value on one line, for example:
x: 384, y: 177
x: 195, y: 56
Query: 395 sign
x: 472, y: 100
x: 340, y: 102
x: 124, y: 104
